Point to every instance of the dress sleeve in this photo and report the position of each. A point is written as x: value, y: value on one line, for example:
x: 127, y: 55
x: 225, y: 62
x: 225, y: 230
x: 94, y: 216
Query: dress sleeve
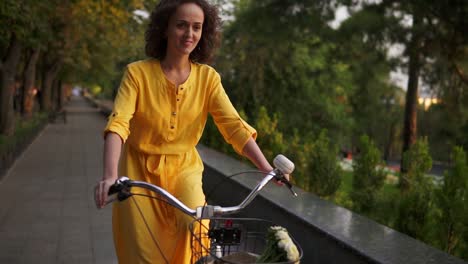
x: 233, y: 128
x: 124, y: 107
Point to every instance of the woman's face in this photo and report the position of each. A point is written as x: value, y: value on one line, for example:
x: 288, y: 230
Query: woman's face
x: 184, y: 29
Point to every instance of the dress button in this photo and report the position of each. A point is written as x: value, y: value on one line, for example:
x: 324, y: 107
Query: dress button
x: 174, y: 113
x: 172, y: 127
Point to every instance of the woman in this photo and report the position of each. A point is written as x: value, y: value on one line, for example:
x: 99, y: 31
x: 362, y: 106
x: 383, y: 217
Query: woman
x: 159, y: 113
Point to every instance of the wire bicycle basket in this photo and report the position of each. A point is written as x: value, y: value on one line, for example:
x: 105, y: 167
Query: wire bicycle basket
x: 231, y: 241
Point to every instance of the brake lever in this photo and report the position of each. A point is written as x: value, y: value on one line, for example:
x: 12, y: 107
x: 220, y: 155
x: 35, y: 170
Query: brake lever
x: 290, y: 187
x: 283, y: 179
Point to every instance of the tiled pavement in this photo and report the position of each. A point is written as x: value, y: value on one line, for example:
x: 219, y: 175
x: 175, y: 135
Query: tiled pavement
x: 47, y: 213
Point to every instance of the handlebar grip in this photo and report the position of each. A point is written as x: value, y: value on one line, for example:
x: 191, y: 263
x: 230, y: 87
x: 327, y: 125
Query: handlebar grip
x: 120, y: 188
x: 115, y: 188
x: 283, y: 164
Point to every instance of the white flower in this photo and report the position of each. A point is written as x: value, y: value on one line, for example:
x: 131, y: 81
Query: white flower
x: 279, y: 238
x: 282, y: 244
x: 292, y: 252
x: 285, y: 243
x: 277, y: 228
x: 282, y: 235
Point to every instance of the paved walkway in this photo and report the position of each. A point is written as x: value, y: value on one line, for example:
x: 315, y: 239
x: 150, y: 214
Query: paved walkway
x: 47, y: 213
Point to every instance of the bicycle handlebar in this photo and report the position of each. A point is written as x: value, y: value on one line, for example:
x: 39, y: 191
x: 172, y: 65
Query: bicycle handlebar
x: 283, y: 166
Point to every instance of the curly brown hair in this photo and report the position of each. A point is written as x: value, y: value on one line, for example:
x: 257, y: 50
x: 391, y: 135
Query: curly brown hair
x: 156, y: 42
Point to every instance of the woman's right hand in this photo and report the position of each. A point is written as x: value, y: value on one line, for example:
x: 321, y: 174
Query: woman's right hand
x: 100, y: 191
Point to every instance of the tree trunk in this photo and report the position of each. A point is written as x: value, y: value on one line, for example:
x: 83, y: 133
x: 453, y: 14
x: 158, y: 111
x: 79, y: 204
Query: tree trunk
x: 49, y: 75
x: 29, y: 84
x: 451, y: 242
x: 410, y: 123
x: 7, y: 86
x: 56, y: 92
x: 62, y: 88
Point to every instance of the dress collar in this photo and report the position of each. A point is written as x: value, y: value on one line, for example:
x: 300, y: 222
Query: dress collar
x: 186, y: 84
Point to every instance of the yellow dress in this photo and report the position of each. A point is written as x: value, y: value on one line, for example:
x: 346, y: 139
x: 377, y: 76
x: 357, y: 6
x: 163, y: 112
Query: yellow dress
x: 161, y: 125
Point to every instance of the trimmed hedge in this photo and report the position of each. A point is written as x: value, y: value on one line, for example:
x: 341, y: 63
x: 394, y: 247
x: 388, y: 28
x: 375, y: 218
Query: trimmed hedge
x: 12, y: 146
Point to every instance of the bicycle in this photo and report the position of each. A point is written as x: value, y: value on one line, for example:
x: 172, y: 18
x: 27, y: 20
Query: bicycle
x: 231, y: 240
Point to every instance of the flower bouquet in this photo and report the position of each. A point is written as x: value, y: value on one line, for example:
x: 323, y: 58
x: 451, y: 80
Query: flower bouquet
x: 279, y: 248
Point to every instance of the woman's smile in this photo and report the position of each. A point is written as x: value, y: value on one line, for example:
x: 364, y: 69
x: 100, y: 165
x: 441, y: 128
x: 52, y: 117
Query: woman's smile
x: 185, y: 29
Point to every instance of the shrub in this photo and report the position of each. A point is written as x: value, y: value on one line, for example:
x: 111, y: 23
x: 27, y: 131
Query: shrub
x: 416, y: 163
x: 417, y: 198
x: 26, y: 130
x: 452, y: 201
x: 324, y: 172
x: 367, y: 177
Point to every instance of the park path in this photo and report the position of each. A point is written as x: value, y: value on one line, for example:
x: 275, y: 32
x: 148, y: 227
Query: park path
x: 47, y: 213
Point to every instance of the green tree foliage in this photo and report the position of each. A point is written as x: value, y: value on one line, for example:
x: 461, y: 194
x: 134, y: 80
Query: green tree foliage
x: 269, y: 137
x: 109, y: 32
x: 324, y: 172
x: 21, y: 27
x: 417, y: 197
x: 374, y: 98
x: 451, y: 200
x: 368, y: 178
x: 303, y: 72
x: 446, y: 123
x: 433, y: 36
x: 281, y: 55
x: 79, y: 41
